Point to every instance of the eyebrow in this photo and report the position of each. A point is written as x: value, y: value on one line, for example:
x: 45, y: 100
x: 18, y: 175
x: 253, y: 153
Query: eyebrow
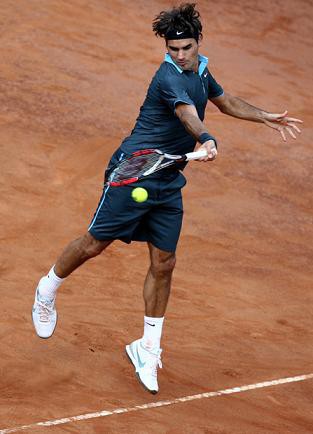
x: 186, y: 47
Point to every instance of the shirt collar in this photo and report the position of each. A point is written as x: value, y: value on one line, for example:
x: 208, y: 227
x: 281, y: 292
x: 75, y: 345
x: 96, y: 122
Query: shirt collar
x: 202, y: 65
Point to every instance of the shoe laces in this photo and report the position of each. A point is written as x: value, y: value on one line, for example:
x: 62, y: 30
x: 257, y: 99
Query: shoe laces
x: 155, y: 361
x: 45, y: 308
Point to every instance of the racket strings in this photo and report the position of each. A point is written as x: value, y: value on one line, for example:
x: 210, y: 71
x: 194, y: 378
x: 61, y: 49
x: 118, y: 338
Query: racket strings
x: 136, y: 166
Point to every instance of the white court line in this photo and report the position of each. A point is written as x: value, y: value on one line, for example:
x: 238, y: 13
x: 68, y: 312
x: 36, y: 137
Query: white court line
x: 104, y: 413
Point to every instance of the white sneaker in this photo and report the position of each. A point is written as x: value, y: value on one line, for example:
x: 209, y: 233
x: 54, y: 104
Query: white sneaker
x: 44, y: 316
x: 146, y: 364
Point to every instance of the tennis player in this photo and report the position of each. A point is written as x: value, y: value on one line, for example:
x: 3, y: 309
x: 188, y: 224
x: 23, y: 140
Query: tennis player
x: 170, y: 119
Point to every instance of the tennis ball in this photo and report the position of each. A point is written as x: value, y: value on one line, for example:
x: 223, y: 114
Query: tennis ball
x: 139, y: 194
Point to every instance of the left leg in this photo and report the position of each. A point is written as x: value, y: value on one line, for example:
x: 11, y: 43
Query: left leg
x: 157, y: 285
x: 162, y: 229
x: 145, y: 353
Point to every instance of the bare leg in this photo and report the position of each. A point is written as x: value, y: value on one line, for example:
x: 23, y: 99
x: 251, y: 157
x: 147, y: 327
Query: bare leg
x: 145, y: 353
x: 158, y: 282
x: 77, y: 252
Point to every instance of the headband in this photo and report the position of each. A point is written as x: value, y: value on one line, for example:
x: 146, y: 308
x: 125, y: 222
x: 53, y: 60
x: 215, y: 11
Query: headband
x: 185, y: 34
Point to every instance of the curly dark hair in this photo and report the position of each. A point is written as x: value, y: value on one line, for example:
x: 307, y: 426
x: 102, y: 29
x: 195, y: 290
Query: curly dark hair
x: 182, y: 18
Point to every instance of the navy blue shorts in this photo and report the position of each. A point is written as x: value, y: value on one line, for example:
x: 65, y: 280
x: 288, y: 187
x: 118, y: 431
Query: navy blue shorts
x: 158, y: 220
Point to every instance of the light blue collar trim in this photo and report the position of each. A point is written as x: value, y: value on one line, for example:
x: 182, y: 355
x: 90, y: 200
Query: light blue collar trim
x: 203, y: 63
x: 168, y: 59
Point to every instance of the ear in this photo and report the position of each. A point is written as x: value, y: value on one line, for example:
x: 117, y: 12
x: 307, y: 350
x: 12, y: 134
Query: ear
x: 200, y: 40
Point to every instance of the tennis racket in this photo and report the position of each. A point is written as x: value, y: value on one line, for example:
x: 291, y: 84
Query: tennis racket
x: 145, y: 162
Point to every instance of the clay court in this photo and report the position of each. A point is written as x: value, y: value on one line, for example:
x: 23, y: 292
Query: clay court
x: 73, y: 76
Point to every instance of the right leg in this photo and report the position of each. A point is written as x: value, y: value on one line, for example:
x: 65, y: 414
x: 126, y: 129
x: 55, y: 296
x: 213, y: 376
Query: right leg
x: 103, y: 225
x: 78, y: 252
x: 75, y: 254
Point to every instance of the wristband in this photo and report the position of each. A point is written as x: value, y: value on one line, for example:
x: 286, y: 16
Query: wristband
x: 204, y: 137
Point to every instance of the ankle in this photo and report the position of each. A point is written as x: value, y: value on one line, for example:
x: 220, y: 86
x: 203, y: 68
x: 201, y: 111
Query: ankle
x: 152, y: 333
x: 49, y: 284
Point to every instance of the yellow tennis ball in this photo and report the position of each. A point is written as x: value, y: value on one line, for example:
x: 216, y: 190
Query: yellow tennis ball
x: 139, y: 194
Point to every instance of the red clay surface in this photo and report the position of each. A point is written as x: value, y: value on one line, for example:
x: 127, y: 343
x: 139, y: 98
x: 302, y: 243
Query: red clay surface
x: 73, y: 75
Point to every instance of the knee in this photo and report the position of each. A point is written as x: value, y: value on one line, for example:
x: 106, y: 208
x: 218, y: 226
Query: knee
x: 163, y: 267
x: 90, y: 247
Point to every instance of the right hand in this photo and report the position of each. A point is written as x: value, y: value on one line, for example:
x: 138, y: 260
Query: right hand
x: 210, y: 147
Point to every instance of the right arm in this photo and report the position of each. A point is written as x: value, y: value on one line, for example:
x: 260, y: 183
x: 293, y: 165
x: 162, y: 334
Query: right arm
x: 188, y: 116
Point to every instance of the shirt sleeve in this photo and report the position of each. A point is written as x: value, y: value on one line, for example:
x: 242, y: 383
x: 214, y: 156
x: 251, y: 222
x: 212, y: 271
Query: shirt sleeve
x: 172, y: 92
x: 214, y: 88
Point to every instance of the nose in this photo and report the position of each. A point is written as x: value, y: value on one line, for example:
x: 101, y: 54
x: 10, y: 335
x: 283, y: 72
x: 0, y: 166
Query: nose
x: 180, y: 55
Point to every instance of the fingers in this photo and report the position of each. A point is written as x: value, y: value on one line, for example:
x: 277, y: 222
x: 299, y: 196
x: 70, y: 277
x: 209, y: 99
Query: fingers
x: 290, y: 129
x: 279, y: 117
x: 299, y: 121
x: 291, y: 132
x: 282, y: 133
x: 283, y: 128
x: 212, y: 154
x: 276, y: 116
x: 211, y: 150
x: 282, y: 115
x: 294, y: 127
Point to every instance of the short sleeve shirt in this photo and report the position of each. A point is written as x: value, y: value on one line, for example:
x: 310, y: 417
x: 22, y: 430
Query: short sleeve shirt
x: 157, y: 125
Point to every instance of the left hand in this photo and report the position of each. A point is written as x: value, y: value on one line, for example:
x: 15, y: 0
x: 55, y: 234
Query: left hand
x: 282, y: 123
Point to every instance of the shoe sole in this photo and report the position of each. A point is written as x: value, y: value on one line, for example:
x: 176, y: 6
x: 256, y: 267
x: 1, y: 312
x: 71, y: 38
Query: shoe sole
x: 42, y: 337
x: 127, y: 350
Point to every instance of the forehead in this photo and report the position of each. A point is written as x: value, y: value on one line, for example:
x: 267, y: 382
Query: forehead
x: 180, y: 43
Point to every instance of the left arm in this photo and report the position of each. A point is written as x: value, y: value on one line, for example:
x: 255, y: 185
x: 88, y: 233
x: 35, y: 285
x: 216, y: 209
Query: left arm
x: 234, y: 106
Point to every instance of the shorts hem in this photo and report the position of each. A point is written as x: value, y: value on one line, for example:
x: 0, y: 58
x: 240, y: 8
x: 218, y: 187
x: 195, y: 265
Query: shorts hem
x: 98, y: 237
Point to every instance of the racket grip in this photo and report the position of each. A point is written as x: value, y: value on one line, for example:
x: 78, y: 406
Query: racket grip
x: 196, y: 155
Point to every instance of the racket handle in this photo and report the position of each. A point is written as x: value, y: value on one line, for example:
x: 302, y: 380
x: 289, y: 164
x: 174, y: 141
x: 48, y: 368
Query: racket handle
x: 196, y: 155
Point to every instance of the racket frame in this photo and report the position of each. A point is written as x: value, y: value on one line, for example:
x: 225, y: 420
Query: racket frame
x: 172, y: 159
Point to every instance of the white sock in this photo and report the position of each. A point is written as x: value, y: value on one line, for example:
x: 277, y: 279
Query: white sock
x: 49, y: 284
x: 152, y: 332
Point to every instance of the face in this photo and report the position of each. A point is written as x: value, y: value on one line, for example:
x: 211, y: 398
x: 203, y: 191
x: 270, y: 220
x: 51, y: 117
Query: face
x: 184, y: 52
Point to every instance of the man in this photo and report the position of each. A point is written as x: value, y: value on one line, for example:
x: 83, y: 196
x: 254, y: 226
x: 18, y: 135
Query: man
x: 171, y: 119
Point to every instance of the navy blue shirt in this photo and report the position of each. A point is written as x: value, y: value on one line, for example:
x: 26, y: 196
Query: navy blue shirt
x: 157, y: 125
